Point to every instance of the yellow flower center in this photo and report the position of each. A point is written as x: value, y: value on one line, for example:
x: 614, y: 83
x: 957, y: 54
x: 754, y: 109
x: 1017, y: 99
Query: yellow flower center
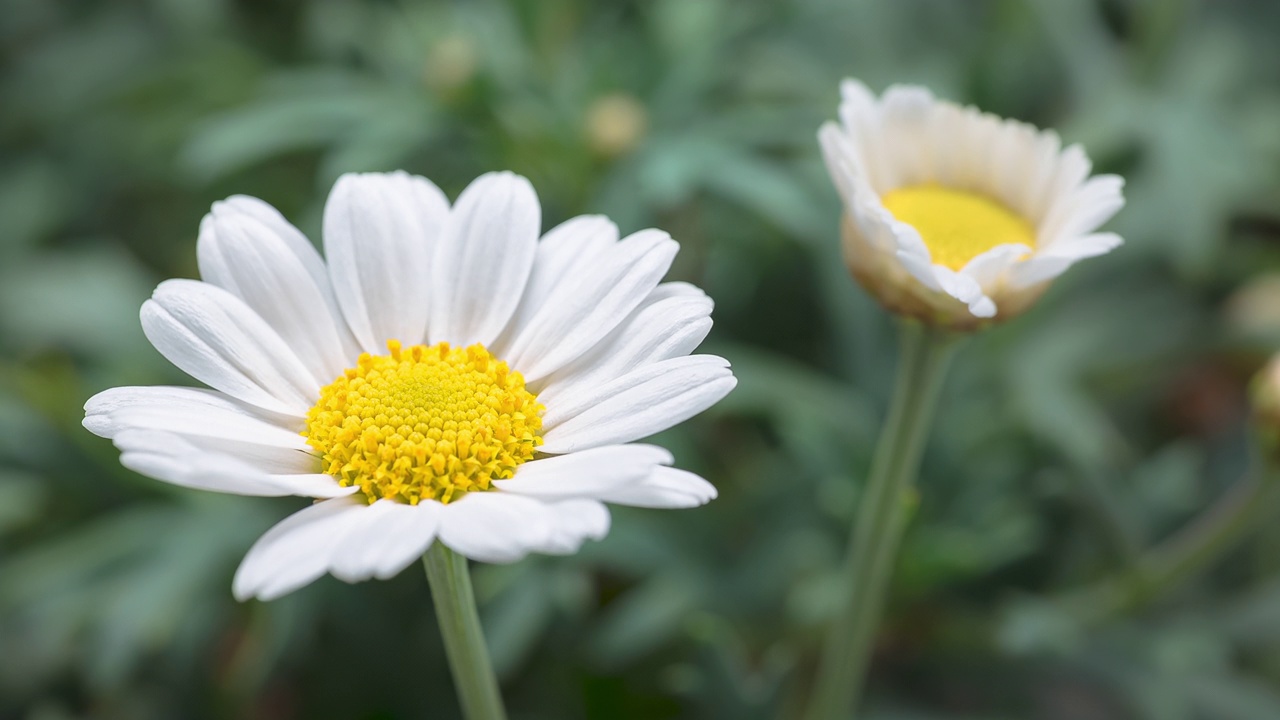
x: 424, y: 423
x: 956, y: 225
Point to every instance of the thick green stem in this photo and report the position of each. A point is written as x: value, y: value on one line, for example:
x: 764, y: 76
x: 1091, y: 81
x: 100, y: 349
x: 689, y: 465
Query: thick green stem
x: 882, y: 517
x: 463, y: 639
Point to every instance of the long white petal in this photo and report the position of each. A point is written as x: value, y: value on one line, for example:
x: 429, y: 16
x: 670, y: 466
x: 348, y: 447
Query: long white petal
x: 665, y: 487
x: 186, y: 411
x: 297, y: 550
x: 495, y: 527
x: 250, y: 259
x: 671, y: 322
x: 567, y: 250
x: 484, y: 258
x: 574, y: 522
x: 588, y: 474
x: 175, y: 459
x: 214, y: 337
x: 650, y: 399
x: 1050, y: 263
x: 989, y: 267
x: 208, y: 420
x: 965, y: 289
x: 388, y: 537
x: 589, y: 305
x: 379, y: 234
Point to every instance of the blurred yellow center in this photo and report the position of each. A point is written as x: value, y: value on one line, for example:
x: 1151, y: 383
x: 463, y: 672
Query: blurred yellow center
x: 957, y: 226
x: 424, y: 423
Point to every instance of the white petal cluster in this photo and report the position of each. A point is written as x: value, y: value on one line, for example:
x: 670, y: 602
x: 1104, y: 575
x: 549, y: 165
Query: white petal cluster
x: 581, y: 313
x: 907, y: 138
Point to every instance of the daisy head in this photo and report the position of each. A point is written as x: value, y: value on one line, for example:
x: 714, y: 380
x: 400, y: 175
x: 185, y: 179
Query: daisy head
x: 957, y: 217
x: 442, y: 374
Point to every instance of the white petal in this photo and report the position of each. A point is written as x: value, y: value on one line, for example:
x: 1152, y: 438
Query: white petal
x: 585, y: 474
x: 495, y: 527
x: 297, y: 550
x: 920, y: 267
x: 667, y: 325
x: 251, y: 260
x: 483, y: 260
x: 588, y: 306
x: 1051, y: 263
x: 379, y: 234
x: 650, y: 399
x: 567, y: 250
x: 207, y: 419
x: 186, y: 411
x: 217, y: 339
x: 174, y: 459
x: 989, y: 267
x: 665, y: 487
x: 572, y: 523
x: 1088, y: 207
x: 388, y: 537
x: 905, y: 114
x: 966, y: 290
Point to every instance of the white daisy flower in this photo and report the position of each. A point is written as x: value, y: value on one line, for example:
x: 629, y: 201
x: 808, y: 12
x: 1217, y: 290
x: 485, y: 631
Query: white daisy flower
x: 442, y: 375
x: 955, y: 216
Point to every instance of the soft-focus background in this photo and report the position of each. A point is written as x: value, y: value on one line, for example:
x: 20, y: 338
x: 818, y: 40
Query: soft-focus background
x: 1090, y: 428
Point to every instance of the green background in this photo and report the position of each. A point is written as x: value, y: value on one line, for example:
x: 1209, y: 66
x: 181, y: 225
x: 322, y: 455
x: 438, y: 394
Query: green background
x: 1068, y: 440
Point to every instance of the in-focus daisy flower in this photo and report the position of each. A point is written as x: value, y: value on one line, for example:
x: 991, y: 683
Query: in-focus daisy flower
x: 442, y: 374
x: 955, y: 216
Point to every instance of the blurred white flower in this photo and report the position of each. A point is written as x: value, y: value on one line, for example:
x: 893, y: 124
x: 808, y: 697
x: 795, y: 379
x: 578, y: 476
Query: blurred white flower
x: 442, y: 375
x: 955, y: 216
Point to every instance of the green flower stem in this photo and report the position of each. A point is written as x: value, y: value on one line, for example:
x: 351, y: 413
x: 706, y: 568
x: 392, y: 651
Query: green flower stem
x: 882, y: 517
x: 463, y: 638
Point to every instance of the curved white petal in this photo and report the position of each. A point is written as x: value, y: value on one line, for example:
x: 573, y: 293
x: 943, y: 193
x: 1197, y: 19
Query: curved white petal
x: 589, y: 305
x: 215, y: 338
x: 648, y: 400
x: 965, y: 289
x: 920, y: 267
x: 208, y: 420
x: 175, y: 459
x: 665, y: 487
x: 186, y: 411
x: 387, y: 537
x: 1084, y: 210
x: 574, y: 522
x: 585, y: 474
x: 297, y: 550
x: 483, y: 260
x: 568, y: 249
x: 379, y: 234
x: 671, y: 323
x: 990, y: 267
x: 495, y: 527
x: 1048, y: 264
x: 250, y: 259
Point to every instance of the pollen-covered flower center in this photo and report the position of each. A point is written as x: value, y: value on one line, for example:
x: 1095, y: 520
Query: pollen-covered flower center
x: 424, y: 422
x: 956, y: 225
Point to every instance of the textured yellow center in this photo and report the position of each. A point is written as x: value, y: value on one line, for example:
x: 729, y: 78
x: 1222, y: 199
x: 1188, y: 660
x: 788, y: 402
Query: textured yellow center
x: 424, y: 422
x: 957, y: 225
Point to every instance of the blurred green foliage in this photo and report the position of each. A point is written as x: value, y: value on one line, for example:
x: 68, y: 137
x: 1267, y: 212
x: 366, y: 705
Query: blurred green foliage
x: 1069, y: 440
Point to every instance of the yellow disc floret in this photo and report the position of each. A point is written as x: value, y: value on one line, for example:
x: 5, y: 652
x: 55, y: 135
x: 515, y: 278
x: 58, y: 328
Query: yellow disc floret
x: 957, y: 225
x: 424, y: 423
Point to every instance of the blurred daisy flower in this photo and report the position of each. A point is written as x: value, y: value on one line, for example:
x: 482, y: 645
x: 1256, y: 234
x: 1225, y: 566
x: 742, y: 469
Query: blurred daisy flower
x: 442, y: 375
x: 957, y: 217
